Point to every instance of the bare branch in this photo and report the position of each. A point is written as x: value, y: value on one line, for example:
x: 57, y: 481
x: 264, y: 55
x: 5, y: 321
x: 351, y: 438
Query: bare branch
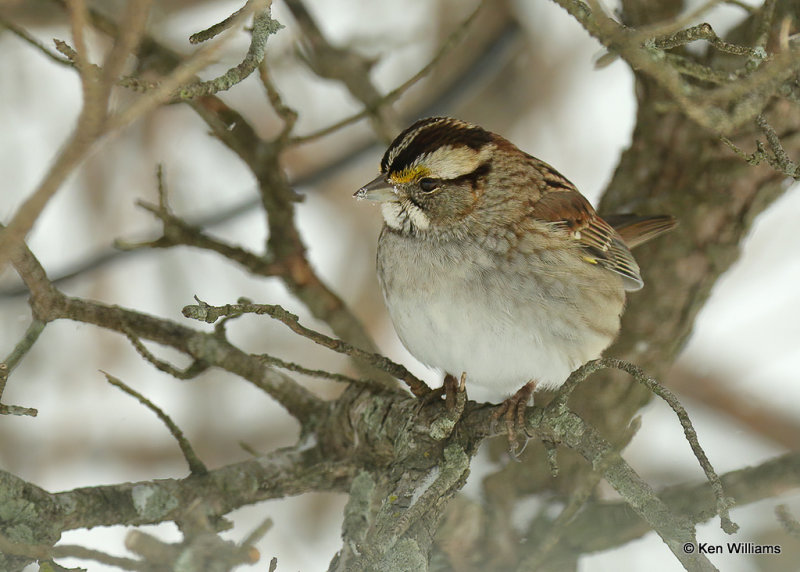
x: 191, y: 371
x: 12, y: 409
x: 196, y: 466
x: 281, y: 473
x: 26, y: 37
x: 44, y: 552
x: 346, y: 66
x: 277, y: 362
x: 560, y: 400
x: 50, y: 304
x: 23, y: 346
x: 207, y: 313
x: 263, y: 27
x: 452, y: 40
x: 286, y: 113
x: 694, y: 501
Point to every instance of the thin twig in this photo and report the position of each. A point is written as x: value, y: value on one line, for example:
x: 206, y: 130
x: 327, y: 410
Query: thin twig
x: 207, y: 313
x: 277, y: 362
x: 707, y: 33
x: 724, y: 503
x: 135, y: 17
x: 24, y: 346
x: 219, y: 27
x: 45, y: 552
x: 196, y: 466
x: 190, y: 372
x: 559, y: 403
x: 286, y: 113
x: 263, y: 27
x: 258, y: 532
x: 25, y: 36
x: 6, y: 367
x: 344, y: 65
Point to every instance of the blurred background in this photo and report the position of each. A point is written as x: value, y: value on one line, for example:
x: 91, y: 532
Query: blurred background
x: 526, y: 70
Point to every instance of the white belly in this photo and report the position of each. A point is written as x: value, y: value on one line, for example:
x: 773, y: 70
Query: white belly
x: 502, y: 329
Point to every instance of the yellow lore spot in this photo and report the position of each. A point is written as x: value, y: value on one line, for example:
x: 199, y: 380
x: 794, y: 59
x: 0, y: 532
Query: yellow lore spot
x: 409, y: 174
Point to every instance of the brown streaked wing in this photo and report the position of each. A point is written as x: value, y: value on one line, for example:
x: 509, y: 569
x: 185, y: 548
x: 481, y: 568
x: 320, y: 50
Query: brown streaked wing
x: 603, y: 244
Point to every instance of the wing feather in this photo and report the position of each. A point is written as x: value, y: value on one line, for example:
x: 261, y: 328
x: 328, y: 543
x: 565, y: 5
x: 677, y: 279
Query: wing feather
x: 561, y: 203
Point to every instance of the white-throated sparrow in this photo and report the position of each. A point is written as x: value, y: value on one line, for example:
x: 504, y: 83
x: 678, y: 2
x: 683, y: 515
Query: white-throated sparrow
x: 493, y: 264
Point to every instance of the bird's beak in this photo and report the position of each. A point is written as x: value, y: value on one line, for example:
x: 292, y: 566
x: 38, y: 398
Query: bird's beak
x: 379, y: 190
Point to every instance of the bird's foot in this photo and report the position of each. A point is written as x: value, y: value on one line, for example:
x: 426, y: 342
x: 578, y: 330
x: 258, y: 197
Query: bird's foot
x: 512, y: 410
x: 455, y: 400
x: 449, y: 390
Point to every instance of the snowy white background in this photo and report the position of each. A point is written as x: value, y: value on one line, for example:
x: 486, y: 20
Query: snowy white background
x: 89, y: 433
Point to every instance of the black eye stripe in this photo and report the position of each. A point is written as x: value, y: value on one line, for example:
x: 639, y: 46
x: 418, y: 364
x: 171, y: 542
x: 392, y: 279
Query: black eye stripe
x: 473, y: 177
x: 429, y: 184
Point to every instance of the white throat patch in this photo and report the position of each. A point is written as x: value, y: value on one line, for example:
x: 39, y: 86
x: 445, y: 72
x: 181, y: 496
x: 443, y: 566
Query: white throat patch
x: 404, y: 216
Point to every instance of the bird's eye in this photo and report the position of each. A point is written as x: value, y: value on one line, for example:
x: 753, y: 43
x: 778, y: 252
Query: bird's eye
x: 427, y: 184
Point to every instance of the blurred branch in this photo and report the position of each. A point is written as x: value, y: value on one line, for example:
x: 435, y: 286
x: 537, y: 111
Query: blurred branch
x: 286, y: 113
x: 694, y: 501
x: 344, y: 65
x: 201, y: 549
x: 556, y: 529
x: 452, y: 40
x: 759, y: 416
x: 485, y: 63
x: 789, y: 523
x: 26, y: 37
x: 45, y: 552
x: 94, y: 122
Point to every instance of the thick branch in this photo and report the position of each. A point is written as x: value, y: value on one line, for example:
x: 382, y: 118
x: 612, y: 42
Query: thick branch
x: 282, y: 473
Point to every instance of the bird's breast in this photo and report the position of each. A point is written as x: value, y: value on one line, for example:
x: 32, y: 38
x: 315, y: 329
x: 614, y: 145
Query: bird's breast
x: 505, y: 320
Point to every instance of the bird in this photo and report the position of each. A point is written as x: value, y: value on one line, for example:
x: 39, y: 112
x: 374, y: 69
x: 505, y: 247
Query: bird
x: 493, y: 265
